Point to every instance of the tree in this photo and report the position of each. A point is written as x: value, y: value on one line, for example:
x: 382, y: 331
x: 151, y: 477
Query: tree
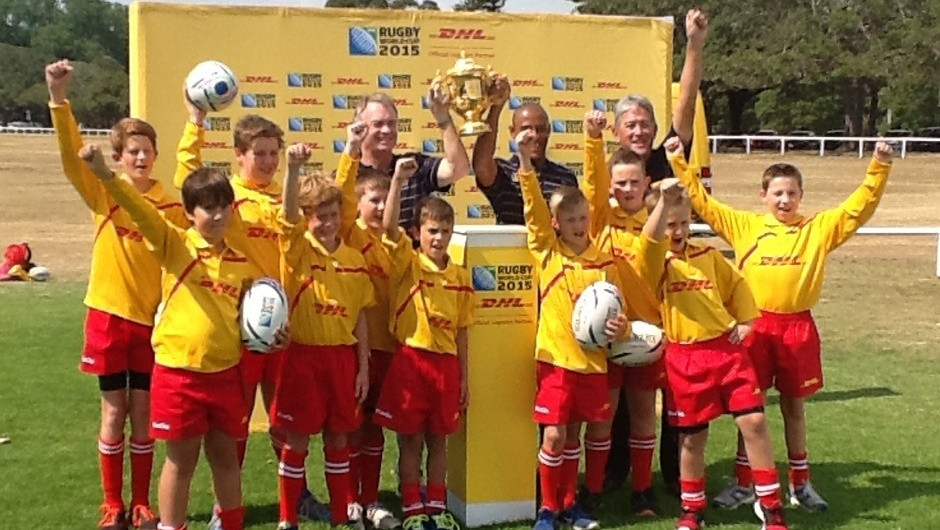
x: 22, y: 67
x: 492, y: 6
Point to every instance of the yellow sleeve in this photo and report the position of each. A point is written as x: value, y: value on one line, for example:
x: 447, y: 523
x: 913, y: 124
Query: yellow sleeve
x: 158, y: 232
x: 400, y: 254
x: 290, y: 237
x: 841, y: 222
x: 651, y: 263
x: 188, y: 152
x: 725, y: 220
x: 538, y: 218
x: 69, y: 139
x: 346, y: 181
x: 596, y: 183
x: 467, y: 313
x: 735, y: 293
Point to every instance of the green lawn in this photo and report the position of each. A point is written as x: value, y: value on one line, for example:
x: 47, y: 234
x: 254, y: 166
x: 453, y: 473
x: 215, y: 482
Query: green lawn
x: 873, y: 432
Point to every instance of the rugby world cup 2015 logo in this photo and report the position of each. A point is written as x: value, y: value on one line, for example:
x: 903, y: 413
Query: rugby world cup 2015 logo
x: 484, y: 278
x: 363, y: 41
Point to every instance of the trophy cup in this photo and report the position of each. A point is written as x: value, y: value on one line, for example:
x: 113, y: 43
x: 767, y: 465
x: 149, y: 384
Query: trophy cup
x: 468, y: 84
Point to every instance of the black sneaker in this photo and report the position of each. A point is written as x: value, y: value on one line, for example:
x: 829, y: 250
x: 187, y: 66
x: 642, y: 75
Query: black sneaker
x: 644, y: 503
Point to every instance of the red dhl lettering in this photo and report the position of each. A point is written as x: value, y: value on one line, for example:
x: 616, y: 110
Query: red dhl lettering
x: 344, y: 124
x: 334, y: 310
x: 526, y: 83
x: 430, y: 125
x: 462, y: 33
x: 127, y: 233
x: 690, y: 285
x: 440, y: 322
x: 487, y: 303
x: 402, y: 102
x: 567, y: 146
x: 214, y: 145
x: 609, y: 84
x: 219, y: 287
x: 379, y: 272
x: 259, y: 79
x: 304, y: 101
x: 356, y: 81
x: 402, y: 145
x: 313, y: 145
x: 773, y: 261
x: 260, y: 232
x: 568, y: 104
x: 619, y: 253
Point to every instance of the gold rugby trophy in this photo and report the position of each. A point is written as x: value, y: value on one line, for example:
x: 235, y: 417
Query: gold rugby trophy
x: 468, y: 85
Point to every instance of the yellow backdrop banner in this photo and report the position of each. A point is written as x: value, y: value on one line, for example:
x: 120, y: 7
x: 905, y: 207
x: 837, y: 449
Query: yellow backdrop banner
x: 307, y: 69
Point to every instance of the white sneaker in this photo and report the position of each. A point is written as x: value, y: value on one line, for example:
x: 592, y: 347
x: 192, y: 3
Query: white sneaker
x: 807, y: 497
x: 381, y: 518
x: 354, y: 513
x: 733, y: 496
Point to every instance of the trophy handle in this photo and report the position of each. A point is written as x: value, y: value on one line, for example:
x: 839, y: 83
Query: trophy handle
x: 448, y: 86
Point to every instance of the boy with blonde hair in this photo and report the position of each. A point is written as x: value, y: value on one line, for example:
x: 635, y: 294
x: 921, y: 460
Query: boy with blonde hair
x: 123, y: 293
x: 325, y: 372
x: 782, y: 254
x: 197, y: 391
x: 426, y: 385
x: 707, y: 311
x: 572, y: 381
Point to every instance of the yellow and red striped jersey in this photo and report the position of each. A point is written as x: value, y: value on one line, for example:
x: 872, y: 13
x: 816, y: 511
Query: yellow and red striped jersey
x: 124, y: 279
x: 785, y: 263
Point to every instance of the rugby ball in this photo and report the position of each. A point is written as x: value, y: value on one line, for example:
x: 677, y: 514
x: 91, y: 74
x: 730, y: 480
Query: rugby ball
x: 39, y: 273
x: 263, y: 313
x: 645, y: 346
x: 211, y: 86
x: 600, y: 302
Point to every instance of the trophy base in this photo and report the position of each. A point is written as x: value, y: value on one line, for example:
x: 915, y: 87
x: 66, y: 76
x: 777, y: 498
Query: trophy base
x: 474, y: 128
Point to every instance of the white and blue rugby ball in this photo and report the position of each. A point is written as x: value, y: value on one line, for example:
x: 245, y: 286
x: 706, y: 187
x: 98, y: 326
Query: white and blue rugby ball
x: 211, y: 86
x: 600, y: 302
x: 645, y: 346
x: 264, y: 311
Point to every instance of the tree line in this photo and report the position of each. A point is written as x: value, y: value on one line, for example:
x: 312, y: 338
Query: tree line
x: 859, y: 65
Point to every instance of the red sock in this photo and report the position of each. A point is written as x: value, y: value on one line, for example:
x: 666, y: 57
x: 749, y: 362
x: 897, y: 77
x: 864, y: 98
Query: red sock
x: 111, y: 461
x: 355, y: 478
x: 241, y: 446
x: 799, y: 469
x: 290, y: 473
x: 370, y: 469
x: 337, y: 482
x: 641, y: 461
x: 278, y: 440
x: 693, y: 494
x: 141, y: 469
x: 550, y: 479
x: 571, y: 458
x: 411, y: 503
x: 595, y: 463
x: 742, y: 470
x: 437, y: 499
x: 234, y: 519
x: 767, y: 487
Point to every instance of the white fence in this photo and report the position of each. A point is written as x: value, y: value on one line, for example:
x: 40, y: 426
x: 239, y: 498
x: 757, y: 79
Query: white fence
x: 783, y: 143
x: 49, y: 130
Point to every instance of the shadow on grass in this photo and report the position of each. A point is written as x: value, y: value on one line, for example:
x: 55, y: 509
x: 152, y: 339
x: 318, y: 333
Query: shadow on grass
x: 842, y: 395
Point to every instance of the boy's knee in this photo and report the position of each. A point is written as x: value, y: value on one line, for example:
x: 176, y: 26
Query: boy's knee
x: 753, y: 424
x: 791, y: 407
x: 553, y: 438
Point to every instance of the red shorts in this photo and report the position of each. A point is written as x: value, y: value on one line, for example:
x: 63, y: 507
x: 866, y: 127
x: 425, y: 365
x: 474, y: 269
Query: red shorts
x: 258, y: 367
x: 785, y: 349
x: 565, y: 396
x: 614, y: 376
x: 379, y: 362
x: 649, y: 377
x: 115, y: 345
x: 708, y: 379
x: 185, y: 404
x: 421, y: 393
x: 317, y: 390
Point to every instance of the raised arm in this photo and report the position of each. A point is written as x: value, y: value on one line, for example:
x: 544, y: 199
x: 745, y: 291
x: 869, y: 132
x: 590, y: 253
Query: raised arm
x: 297, y: 155
x: 596, y: 182
x: 189, y: 149
x: 404, y: 169
x: 538, y: 218
x: 456, y: 163
x: 484, y: 150
x: 696, y: 31
x: 346, y: 173
x: 844, y: 220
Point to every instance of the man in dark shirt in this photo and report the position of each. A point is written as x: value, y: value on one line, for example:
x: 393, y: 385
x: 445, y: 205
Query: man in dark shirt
x: 496, y: 177
x: 379, y: 113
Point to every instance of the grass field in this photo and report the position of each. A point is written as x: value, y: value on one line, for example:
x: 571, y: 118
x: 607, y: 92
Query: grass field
x: 873, y: 428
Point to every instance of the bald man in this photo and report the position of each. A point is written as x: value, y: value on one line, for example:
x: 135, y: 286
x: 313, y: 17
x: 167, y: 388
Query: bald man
x: 496, y: 177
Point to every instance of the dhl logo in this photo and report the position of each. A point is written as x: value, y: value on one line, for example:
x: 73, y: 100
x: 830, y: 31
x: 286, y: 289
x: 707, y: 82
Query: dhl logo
x: 216, y: 145
x: 332, y: 310
x: 219, y: 287
x: 403, y: 145
x: 437, y: 321
x: 462, y: 33
x: 429, y: 125
x: 619, y: 253
x: 402, y: 102
x: 127, y: 233
x: 488, y: 303
x: 690, y: 285
x: 567, y: 146
x: 350, y: 81
x: 260, y: 232
x: 610, y: 84
x: 526, y: 83
x: 567, y: 104
x: 304, y: 101
x: 773, y: 261
x: 342, y: 124
x: 376, y: 271
x: 313, y: 145
x: 258, y: 79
